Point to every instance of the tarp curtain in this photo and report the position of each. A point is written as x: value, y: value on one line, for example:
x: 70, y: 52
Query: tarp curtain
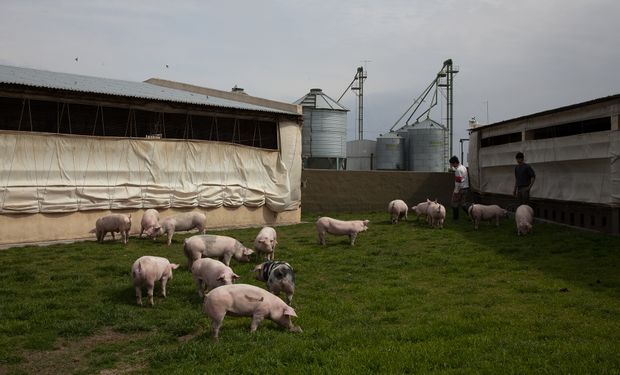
x: 582, y: 168
x: 63, y: 173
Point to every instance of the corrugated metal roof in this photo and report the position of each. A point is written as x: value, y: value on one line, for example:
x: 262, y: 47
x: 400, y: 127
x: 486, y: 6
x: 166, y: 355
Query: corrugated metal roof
x: 107, y: 86
x: 318, y: 100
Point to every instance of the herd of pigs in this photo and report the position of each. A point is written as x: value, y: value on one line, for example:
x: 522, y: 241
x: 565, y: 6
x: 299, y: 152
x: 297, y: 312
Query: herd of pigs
x: 208, y: 258
x: 435, y: 214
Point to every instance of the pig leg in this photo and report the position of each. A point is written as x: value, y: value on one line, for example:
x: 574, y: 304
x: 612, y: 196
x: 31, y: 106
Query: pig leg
x: 226, y: 259
x: 164, y: 280
x: 497, y: 221
x: 139, y: 295
x: 275, y: 289
x: 216, y: 324
x: 199, y: 286
x: 322, y: 237
x: 352, y: 237
x: 256, y: 319
x: 289, y: 297
x: 217, y: 317
x: 149, y: 292
x: 170, y: 234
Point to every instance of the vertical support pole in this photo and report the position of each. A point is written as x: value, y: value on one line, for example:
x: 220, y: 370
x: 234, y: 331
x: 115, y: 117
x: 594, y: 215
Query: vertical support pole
x: 449, y: 104
x: 360, y: 110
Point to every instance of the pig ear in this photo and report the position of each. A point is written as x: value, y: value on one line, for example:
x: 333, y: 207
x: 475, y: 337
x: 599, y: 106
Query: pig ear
x: 235, y: 276
x: 258, y: 267
x: 174, y: 266
x: 289, y: 311
x: 248, y: 251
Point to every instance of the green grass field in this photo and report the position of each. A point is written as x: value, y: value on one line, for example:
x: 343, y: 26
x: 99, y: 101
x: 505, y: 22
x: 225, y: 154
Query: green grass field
x: 405, y: 299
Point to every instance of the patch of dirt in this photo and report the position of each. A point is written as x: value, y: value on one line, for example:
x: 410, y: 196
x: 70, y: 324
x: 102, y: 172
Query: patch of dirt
x: 71, y: 356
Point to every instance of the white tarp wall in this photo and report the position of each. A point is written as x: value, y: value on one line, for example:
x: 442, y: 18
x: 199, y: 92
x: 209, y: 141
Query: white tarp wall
x: 46, y: 173
x: 582, y: 168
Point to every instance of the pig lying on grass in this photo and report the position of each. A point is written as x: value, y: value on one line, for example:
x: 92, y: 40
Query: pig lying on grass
x: 212, y: 246
x: 398, y: 209
x: 211, y: 273
x: 338, y: 227
x: 146, y: 271
x: 524, y: 217
x: 265, y: 242
x: 113, y: 223
x: 247, y: 300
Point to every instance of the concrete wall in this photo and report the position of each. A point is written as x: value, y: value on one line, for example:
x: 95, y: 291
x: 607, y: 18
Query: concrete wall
x: 359, y: 191
x: 36, y: 228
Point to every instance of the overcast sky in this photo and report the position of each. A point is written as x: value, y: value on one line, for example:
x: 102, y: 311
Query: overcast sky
x: 515, y: 57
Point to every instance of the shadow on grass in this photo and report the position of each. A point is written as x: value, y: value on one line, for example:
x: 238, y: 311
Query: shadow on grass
x: 580, y: 258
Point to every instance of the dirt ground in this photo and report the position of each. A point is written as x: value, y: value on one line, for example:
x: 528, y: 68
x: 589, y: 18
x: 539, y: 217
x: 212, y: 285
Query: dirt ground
x: 71, y: 356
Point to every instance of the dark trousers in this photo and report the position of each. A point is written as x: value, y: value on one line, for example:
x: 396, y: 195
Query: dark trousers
x: 460, y: 199
x: 523, y: 194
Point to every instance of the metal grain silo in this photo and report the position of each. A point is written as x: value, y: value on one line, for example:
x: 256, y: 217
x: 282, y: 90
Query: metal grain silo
x: 425, y: 142
x: 361, y: 155
x: 390, y: 152
x: 324, y: 133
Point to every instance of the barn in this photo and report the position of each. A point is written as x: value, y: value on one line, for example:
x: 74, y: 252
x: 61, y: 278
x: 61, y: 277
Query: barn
x: 575, y: 152
x: 73, y: 148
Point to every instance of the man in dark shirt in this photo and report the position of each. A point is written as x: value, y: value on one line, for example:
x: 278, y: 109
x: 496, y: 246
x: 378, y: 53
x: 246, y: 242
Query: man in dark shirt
x: 524, y: 179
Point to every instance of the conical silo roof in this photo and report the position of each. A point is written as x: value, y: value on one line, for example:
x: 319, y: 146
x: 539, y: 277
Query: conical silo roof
x: 317, y: 99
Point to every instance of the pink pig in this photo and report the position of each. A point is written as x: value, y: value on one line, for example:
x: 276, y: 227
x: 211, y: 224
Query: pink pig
x: 212, y: 246
x: 211, y: 273
x: 524, y: 217
x: 339, y: 227
x: 397, y: 209
x: 113, y: 223
x: 266, y: 241
x: 181, y: 222
x: 146, y: 271
x: 479, y: 212
x: 150, y: 220
x: 421, y: 210
x: 247, y: 300
x: 436, y: 214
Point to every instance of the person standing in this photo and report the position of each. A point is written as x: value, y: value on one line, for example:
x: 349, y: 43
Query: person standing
x: 524, y: 179
x: 460, y: 195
